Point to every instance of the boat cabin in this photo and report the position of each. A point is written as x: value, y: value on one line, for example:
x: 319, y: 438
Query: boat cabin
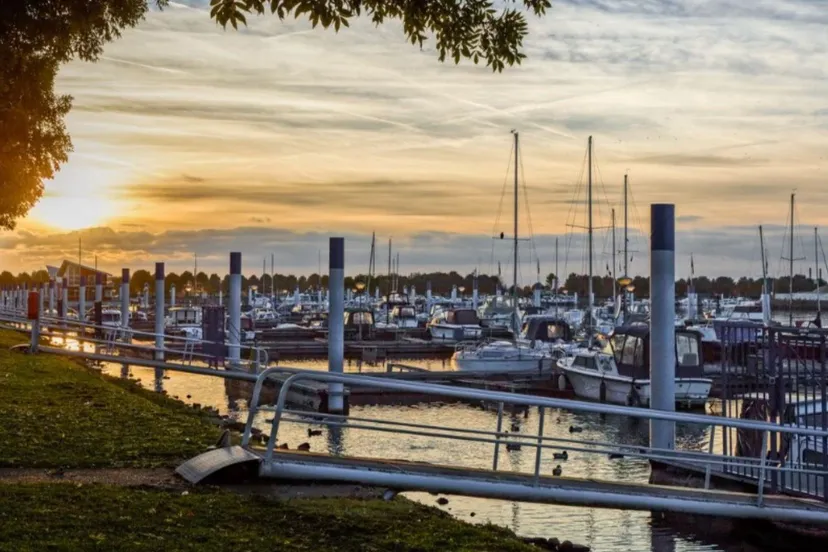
x: 630, y: 345
x: 185, y: 316
x: 457, y: 317
x: 546, y: 329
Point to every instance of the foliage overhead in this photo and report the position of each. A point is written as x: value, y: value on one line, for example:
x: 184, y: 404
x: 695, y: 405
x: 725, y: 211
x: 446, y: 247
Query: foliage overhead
x: 469, y: 29
x: 36, y: 37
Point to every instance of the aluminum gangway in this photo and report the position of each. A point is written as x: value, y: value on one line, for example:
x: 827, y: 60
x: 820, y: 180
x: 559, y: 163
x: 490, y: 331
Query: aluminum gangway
x: 536, y: 485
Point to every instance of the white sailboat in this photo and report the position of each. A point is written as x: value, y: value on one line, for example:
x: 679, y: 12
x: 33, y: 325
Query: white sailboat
x: 502, y: 355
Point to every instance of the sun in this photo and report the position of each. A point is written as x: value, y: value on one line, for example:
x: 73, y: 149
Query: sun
x: 73, y: 213
x: 80, y: 196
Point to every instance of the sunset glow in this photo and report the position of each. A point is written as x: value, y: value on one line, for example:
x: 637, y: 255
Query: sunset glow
x: 192, y: 139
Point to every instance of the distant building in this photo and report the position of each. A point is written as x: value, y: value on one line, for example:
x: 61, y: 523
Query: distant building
x: 69, y: 275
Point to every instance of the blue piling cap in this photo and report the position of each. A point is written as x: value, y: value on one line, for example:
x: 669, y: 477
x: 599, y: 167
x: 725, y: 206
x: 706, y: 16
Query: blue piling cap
x: 235, y: 262
x: 336, y: 257
x: 125, y: 276
x: 83, y: 280
x: 159, y: 271
x: 662, y: 227
x: 98, y: 278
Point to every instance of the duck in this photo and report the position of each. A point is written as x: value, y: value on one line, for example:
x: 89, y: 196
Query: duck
x: 304, y: 447
x: 314, y: 432
x: 283, y: 446
x: 560, y: 455
x: 557, y: 471
x: 514, y: 427
x: 615, y: 455
x: 512, y: 446
x: 575, y: 429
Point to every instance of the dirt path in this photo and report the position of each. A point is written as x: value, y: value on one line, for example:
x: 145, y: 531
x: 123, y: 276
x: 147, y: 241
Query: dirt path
x: 166, y: 478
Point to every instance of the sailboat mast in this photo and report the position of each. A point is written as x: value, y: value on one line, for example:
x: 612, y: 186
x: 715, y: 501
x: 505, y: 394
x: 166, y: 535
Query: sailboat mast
x: 626, y: 254
x: 816, y: 265
x: 557, y: 277
x: 612, y: 272
x: 515, y: 275
x: 791, y: 270
x: 765, y: 289
x: 589, y: 230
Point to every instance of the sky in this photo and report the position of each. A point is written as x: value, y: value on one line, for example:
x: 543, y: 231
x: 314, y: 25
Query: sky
x: 268, y: 140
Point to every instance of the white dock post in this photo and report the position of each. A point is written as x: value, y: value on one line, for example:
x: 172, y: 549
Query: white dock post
x: 41, y: 300
x: 98, y: 287
x: 125, y: 338
x: 475, y: 292
x: 296, y: 298
x: 336, y: 322
x: 536, y: 295
x: 453, y: 293
x: 159, y: 311
x: 125, y: 298
x: 221, y: 297
x: 249, y: 295
x: 662, y: 321
x: 172, y: 295
x: 82, y: 299
x: 146, y: 296
x: 766, y: 303
x: 692, y: 304
x: 428, y: 297
x: 52, y: 311
x: 64, y: 295
x: 234, y: 310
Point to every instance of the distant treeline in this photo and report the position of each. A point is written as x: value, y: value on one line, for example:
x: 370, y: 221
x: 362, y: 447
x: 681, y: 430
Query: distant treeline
x: 441, y: 283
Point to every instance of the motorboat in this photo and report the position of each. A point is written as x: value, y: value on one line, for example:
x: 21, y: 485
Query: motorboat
x: 542, y: 340
x: 499, y: 356
x: 455, y: 325
x: 184, y: 321
x: 620, y: 373
x: 403, y: 316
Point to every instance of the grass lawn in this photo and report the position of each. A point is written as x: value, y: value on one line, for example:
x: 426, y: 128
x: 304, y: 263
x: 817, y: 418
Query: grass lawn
x: 36, y: 517
x: 56, y: 413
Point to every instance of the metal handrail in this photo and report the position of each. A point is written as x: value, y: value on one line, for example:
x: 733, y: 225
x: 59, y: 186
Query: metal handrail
x: 497, y: 437
x: 260, y: 355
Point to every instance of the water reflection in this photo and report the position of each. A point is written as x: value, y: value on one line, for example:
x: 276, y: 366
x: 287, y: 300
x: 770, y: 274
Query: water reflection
x: 602, y: 529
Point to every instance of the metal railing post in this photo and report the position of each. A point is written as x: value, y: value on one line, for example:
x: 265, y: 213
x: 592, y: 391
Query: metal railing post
x: 710, y: 452
x: 539, y: 449
x: 497, y: 437
x: 761, y: 491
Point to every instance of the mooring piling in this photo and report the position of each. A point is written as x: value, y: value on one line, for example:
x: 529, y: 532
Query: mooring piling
x: 336, y: 321
x: 662, y: 322
x: 234, y: 310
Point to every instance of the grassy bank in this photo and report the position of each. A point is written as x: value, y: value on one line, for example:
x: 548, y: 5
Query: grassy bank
x: 35, y: 517
x: 57, y: 413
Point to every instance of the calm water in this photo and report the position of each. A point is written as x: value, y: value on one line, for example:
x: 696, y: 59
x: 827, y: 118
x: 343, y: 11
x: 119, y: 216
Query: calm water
x: 602, y: 529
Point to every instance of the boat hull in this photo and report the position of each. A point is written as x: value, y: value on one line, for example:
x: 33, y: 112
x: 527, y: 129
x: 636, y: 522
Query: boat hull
x: 464, y: 364
x: 453, y: 333
x: 690, y: 392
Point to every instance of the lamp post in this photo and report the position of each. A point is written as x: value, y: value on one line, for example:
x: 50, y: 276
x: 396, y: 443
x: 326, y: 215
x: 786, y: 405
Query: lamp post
x: 625, y: 283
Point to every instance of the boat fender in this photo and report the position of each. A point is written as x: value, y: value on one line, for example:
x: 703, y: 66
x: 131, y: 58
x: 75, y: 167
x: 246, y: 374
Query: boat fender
x: 562, y: 382
x: 633, y: 399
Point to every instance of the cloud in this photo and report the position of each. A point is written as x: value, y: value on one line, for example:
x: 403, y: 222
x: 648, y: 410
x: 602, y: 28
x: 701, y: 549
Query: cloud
x: 189, y: 137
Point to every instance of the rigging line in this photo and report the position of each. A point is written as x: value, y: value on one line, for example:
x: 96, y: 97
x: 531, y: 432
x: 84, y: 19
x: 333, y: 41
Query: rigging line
x: 800, y: 234
x: 500, y: 206
x: 779, y: 267
x: 824, y: 261
x: 601, y: 179
x: 570, y: 229
x: 528, y: 212
x: 639, y: 234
